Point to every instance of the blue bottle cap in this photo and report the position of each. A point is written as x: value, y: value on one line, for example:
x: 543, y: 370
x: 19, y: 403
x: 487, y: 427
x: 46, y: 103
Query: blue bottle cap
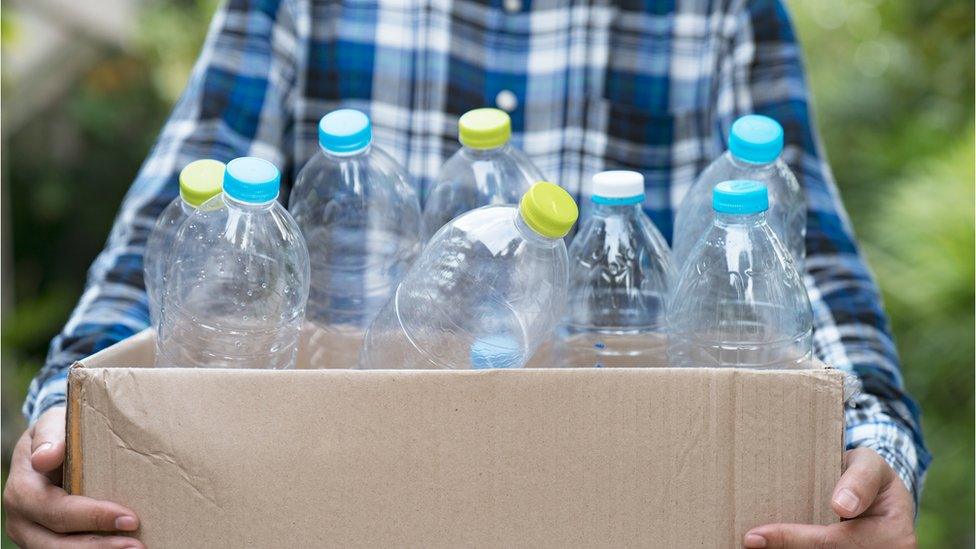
x: 495, y: 352
x: 345, y: 131
x: 756, y: 139
x: 741, y: 197
x: 252, y: 180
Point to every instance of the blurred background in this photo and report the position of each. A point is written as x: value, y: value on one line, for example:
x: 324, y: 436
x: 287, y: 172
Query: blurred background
x: 87, y: 85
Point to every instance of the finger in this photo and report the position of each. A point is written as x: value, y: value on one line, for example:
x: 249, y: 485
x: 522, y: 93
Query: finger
x: 47, y: 441
x: 56, y: 510
x: 37, y: 537
x: 865, y: 475
x: 789, y: 536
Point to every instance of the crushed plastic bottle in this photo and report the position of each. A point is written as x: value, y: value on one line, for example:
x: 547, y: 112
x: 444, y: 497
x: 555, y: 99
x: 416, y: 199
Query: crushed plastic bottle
x: 237, y: 287
x: 739, y: 300
x: 486, y: 292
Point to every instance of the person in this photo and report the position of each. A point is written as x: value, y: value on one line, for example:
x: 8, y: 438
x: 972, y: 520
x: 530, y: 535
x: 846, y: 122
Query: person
x: 647, y: 86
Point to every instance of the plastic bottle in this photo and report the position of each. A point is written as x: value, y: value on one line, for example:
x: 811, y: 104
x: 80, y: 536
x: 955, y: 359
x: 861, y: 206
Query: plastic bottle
x: 739, y: 300
x: 620, y: 268
x: 755, y: 144
x: 486, y: 170
x: 361, y: 218
x: 486, y: 292
x: 200, y: 181
x: 236, y: 290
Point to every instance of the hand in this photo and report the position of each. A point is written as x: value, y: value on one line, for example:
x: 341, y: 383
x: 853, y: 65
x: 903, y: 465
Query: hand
x: 40, y: 513
x: 875, y: 507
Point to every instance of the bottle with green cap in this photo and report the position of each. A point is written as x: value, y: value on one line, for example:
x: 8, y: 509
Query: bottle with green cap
x: 486, y: 170
x: 199, y: 181
x: 754, y: 152
x: 238, y: 277
x: 486, y: 292
x: 739, y: 300
x: 361, y: 218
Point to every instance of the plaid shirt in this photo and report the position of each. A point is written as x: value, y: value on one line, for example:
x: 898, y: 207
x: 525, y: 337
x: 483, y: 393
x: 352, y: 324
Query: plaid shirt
x: 649, y: 85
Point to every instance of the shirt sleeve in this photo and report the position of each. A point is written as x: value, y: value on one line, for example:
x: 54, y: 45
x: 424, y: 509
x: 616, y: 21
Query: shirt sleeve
x: 851, y: 330
x: 236, y: 103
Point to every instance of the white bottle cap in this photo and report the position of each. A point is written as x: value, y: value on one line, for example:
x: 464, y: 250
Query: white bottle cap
x: 618, y: 187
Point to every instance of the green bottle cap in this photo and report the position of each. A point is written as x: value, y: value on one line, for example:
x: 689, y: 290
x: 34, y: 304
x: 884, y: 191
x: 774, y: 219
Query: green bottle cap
x: 200, y: 181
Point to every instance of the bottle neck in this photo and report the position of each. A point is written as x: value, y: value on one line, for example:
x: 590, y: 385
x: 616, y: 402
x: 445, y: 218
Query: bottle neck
x: 484, y: 154
x: 739, y: 220
x: 532, y: 237
x: 187, y: 207
x: 340, y: 156
x: 741, y: 164
x: 234, y: 204
x: 607, y: 210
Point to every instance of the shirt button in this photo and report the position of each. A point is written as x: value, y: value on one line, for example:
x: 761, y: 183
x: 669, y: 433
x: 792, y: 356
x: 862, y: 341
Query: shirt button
x: 506, y: 101
x: 512, y: 6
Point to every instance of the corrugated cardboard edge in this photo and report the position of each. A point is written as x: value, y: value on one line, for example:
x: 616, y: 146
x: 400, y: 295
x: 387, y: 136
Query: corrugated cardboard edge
x: 72, y: 475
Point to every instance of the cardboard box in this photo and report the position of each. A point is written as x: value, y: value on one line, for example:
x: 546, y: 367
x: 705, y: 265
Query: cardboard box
x: 515, y: 458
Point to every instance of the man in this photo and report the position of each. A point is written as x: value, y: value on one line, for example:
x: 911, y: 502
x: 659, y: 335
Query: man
x: 646, y: 85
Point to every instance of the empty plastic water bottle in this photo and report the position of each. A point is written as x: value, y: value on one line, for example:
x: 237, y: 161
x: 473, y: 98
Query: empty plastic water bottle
x: 200, y: 181
x: 619, y: 271
x: 486, y: 291
x: 755, y: 144
x: 361, y: 218
x: 236, y: 290
x: 739, y: 300
x: 486, y: 170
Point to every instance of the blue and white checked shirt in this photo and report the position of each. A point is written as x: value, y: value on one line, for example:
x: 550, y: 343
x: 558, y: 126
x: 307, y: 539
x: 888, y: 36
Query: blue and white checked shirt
x: 646, y: 85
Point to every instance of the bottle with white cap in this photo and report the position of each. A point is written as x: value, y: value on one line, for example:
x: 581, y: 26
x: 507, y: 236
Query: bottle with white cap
x: 755, y: 144
x: 486, y: 292
x: 486, y: 170
x: 236, y: 289
x: 620, y: 269
x: 739, y: 301
x: 199, y: 181
x: 361, y: 219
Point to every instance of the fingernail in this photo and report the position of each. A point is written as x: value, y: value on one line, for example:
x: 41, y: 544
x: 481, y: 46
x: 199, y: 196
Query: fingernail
x: 846, y: 500
x: 126, y: 523
x: 755, y: 541
x: 41, y: 448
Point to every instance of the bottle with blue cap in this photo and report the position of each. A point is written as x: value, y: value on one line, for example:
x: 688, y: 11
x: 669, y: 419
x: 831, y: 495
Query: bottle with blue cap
x: 739, y: 300
x: 486, y: 170
x: 237, y: 283
x: 620, y: 269
x: 755, y: 144
x: 486, y: 292
x: 361, y: 218
x: 199, y: 181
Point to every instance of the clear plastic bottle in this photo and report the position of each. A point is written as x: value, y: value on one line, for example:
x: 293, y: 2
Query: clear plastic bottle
x: 486, y: 292
x: 486, y: 170
x: 755, y: 144
x: 200, y: 181
x: 620, y: 268
x: 236, y: 290
x: 739, y: 300
x: 361, y: 218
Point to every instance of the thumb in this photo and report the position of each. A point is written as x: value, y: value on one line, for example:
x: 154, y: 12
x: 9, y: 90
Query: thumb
x: 788, y: 536
x: 47, y: 441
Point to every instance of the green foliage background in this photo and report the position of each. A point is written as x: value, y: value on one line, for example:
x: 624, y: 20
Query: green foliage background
x: 893, y: 88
